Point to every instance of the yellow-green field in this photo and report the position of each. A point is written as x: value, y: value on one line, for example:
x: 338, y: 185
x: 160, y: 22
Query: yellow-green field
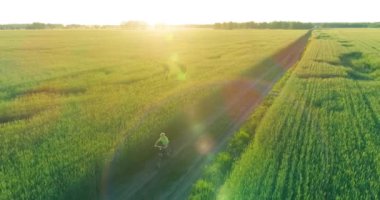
x: 320, y: 138
x: 72, y: 99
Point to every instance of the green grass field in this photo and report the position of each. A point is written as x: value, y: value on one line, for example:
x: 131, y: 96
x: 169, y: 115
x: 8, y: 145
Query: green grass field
x: 81, y: 109
x: 71, y: 99
x: 320, y: 137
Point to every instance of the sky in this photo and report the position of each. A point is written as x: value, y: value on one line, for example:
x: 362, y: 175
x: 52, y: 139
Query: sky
x: 186, y: 12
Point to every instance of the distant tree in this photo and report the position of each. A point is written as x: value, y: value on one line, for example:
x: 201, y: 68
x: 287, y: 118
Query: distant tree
x: 374, y: 25
x: 290, y: 25
x: 74, y: 26
x: 345, y: 25
x: 134, y: 25
x: 37, y: 25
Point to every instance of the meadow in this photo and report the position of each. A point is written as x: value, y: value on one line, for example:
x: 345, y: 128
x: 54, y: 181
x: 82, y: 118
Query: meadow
x: 73, y: 101
x: 319, y: 138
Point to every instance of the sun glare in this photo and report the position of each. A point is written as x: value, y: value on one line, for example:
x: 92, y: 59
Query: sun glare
x: 183, y: 12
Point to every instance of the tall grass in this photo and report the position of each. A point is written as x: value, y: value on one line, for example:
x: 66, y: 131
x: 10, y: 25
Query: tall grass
x: 320, y: 138
x: 72, y: 99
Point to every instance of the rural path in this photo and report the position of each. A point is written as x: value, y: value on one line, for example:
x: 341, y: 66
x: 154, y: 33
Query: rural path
x: 178, y: 173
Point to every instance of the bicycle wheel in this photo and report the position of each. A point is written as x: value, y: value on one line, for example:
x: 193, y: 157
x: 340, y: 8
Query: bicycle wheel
x: 159, y: 160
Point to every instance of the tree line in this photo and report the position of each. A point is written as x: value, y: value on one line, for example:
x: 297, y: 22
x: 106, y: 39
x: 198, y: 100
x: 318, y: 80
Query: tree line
x: 223, y: 25
x: 38, y: 25
x: 35, y: 25
x: 291, y: 25
x: 350, y: 25
x: 263, y: 25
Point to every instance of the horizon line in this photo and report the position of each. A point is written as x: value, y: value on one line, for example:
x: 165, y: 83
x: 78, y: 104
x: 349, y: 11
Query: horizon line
x: 179, y: 24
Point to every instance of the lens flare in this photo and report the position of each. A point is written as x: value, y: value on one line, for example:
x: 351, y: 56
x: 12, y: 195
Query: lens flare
x: 174, y: 57
x: 198, y: 128
x: 204, y: 145
x: 182, y: 72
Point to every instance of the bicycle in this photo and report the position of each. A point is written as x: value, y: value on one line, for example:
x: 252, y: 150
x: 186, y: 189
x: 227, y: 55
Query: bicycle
x: 162, y: 152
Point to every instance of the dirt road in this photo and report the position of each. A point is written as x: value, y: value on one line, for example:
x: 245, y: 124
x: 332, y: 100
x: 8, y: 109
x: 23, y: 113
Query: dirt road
x: 191, y: 152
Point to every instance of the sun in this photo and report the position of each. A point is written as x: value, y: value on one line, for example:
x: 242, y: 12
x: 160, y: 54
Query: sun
x: 160, y: 19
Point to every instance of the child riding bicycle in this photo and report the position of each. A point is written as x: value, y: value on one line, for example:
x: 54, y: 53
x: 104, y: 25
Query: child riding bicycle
x: 162, y: 144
